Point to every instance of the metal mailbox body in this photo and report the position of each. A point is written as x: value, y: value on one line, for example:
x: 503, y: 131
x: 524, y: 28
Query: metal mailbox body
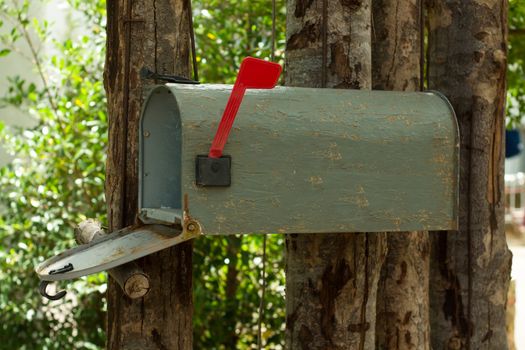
x: 304, y: 160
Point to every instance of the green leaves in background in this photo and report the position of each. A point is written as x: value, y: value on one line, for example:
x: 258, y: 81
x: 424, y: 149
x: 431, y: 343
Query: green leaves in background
x: 516, y: 63
x: 55, y: 180
x: 229, y: 30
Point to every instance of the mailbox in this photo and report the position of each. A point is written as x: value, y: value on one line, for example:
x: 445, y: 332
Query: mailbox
x: 303, y: 160
x: 297, y: 160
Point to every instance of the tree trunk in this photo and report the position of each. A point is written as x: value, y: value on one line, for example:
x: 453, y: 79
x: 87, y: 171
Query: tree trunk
x: 470, y: 268
x: 403, y: 301
x: 331, y: 279
x: 154, y: 35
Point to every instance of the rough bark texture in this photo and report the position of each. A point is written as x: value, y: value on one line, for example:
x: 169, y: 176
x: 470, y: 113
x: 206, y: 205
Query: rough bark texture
x: 396, y: 45
x: 331, y: 288
x: 348, y: 44
x: 331, y: 279
x: 403, y: 300
x: 155, y: 35
x: 470, y: 269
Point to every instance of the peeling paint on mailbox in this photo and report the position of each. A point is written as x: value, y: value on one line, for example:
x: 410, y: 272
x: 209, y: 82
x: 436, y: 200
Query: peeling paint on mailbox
x: 305, y: 160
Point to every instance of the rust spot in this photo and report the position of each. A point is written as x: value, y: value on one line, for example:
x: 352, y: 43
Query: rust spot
x: 439, y: 159
x: 331, y: 153
x: 301, y: 6
x: 303, y: 39
x: 399, y: 118
x: 117, y: 252
x: 315, y: 180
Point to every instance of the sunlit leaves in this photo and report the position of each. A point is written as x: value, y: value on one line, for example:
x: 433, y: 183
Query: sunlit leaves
x: 516, y: 63
x: 227, y: 31
x: 55, y: 180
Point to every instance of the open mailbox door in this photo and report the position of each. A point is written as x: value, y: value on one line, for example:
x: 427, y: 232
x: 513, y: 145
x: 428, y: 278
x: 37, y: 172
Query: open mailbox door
x: 299, y: 160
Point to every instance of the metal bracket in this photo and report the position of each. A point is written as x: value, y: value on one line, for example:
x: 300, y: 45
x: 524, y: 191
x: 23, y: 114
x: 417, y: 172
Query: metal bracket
x: 146, y: 73
x: 191, y: 228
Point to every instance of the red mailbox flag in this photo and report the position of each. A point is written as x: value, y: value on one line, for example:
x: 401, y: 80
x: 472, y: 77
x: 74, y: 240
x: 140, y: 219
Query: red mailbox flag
x: 253, y: 74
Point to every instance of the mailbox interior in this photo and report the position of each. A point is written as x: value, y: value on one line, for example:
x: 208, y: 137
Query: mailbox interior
x: 160, y: 157
x: 304, y: 160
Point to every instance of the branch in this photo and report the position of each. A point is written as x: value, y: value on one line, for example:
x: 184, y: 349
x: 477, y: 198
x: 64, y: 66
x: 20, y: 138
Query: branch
x: 131, y: 278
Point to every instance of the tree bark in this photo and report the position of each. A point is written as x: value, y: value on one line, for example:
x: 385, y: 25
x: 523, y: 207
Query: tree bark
x: 331, y: 279
x: 471, y: 268
x: 156, y: 35
x: 403, y: 295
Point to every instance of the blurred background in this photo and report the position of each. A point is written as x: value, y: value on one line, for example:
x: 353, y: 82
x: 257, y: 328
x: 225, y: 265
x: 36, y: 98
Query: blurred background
x: 53, y: 132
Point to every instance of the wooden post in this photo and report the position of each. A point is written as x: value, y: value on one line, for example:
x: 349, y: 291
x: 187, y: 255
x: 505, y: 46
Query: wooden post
x: 470, y: 269
x: 153, y: 35
x: 403, y: 300
x: 331, y: 279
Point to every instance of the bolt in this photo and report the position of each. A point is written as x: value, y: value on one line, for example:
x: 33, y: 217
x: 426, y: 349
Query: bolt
x: 146, y: 133
x: 191, y: 227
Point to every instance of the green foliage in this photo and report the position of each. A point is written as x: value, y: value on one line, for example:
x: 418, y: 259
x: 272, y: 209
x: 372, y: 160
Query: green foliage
x: 227, y: 292
x: 516, y: 63
x: 229, y: 30
x: 54, y: 181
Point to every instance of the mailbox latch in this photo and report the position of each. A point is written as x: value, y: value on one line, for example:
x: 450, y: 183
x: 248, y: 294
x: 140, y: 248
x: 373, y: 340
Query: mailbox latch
x: 214, y: 169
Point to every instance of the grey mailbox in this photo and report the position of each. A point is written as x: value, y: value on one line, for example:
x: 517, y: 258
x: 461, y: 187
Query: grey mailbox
x: 297, y: 161
x: 303, y: 160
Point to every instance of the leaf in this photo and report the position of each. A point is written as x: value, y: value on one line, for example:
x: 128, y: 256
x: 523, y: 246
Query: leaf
x: 4, y: 52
